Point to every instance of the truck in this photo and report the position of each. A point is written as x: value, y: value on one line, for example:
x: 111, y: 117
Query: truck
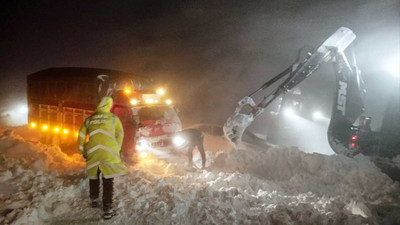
x: 349, y: 131
x: 60, y: 99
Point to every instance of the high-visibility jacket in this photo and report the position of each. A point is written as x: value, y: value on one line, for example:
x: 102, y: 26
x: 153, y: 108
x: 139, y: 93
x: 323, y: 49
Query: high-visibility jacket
x: 102, y: 151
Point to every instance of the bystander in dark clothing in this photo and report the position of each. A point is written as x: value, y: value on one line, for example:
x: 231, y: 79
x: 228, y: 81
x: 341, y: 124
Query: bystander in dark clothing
x: 194, y: 138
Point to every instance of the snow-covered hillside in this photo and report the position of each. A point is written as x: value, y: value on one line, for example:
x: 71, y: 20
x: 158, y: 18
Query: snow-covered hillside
x: 39, y: 184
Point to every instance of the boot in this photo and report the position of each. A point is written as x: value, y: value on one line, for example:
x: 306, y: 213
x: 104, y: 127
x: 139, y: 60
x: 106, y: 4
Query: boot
x: 94, y: 203
x: 109, y: 213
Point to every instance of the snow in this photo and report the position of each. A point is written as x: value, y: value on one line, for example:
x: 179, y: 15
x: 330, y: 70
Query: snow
x: 396, y: 160
x: 39, y: 184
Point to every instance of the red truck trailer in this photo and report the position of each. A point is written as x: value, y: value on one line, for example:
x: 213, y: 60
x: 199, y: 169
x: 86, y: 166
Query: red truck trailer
x: 60, y: 99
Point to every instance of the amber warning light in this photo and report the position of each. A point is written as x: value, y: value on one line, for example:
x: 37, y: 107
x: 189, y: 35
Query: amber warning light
x: 127, y: 91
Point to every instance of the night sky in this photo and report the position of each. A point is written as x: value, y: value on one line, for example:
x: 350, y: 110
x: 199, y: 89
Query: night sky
x: 208, y: 53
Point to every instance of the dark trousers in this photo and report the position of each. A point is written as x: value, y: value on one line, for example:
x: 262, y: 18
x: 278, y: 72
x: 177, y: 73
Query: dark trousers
x: 198, y: 142
x: 108, y: 188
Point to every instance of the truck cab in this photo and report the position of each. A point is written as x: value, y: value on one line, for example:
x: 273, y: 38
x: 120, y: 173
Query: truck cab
x: 148, y: 119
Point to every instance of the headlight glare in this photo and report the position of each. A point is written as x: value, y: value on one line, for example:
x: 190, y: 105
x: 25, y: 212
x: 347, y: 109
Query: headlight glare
x: 142, y: 145
x: 179, y: 141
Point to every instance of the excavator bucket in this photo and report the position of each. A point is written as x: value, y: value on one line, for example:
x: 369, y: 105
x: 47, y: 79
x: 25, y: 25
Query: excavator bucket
x: 238, y: 122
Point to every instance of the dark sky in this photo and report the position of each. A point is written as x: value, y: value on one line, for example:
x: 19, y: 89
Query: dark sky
x: 209, y: 53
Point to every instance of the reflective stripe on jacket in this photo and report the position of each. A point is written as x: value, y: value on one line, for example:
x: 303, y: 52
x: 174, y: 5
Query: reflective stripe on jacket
x: 105, y: 133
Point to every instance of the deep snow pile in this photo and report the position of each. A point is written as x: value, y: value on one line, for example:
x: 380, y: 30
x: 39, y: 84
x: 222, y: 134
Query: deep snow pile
x: 396, y: 160
x: 269, y: 186
x: 300, y: 172
x: 28, y: 172
x: 36, y: 156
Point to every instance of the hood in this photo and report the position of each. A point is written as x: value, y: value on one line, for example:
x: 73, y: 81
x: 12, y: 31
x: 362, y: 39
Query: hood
x: 105, y: 104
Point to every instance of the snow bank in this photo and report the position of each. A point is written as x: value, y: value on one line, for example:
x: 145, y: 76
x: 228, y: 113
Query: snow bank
x: 396, y: 160
x: 14, y: 150
x: 28, y: 173
x: 321, y: 174
x: 32, y: 196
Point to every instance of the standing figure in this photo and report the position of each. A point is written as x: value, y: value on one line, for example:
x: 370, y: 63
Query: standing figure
x: 192, y: 138
x: 102, y: 153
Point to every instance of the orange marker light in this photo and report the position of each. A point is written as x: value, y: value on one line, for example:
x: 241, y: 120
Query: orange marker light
x: 65, y: 131
x: 56, y: 129
x: 45, y: 127
x: 33, y: 125
x: 127, y: 91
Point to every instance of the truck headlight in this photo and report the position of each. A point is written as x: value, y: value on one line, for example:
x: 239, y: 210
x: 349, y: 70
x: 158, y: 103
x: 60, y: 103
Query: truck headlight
x: 142, y: 145
x: 179, y: 141
x: 393, y: 66
x: 134, y: 101
x: 143, y: 154
x: 160, y: 91
x: 23, y: 110
x: 289, y: 112
x: 317, y: 115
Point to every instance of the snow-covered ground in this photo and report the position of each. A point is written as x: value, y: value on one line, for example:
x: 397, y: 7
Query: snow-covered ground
x: 39, y: 184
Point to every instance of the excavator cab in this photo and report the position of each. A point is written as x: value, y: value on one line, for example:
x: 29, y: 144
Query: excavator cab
x: 362, y: 139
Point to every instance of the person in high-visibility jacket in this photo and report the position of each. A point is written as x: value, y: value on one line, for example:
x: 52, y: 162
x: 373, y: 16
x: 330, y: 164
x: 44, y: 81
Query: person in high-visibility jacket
x: 102, y: 153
